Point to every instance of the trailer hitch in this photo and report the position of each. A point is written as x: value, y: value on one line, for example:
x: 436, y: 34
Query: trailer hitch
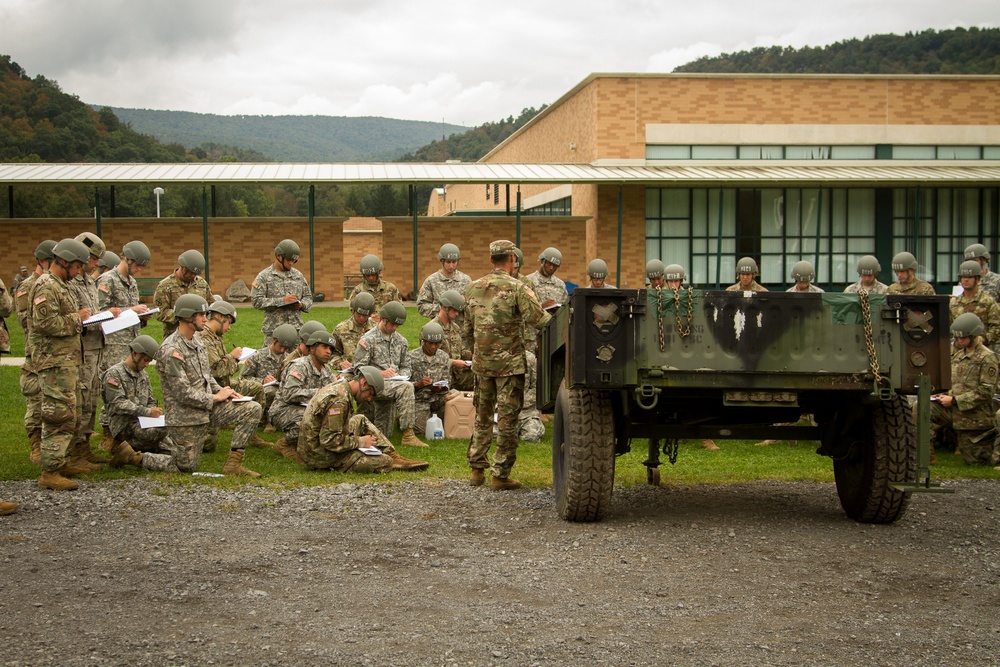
x: 647, y: 393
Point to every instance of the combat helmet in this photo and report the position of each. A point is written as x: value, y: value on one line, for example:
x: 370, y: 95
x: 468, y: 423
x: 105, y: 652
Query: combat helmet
x: 551, y: 255
x: 394, y: 312
x: 904, y: 261
x: 967, y: 325
x: 188, y: 305
x: 145, y: 345
x: 287, y: 248
x: 452, y: 298
x: 597, y: 268
x: 286, y: 335
x: 803, y: 272
x: 432, y: 332
x: 224, y: 308
x: 977, y: 251
x: 322, y: 336
x: 450, y: 252
x: 370, y: 265
x: 518, y: 258
x: 655, y: 269
x: 373, y: 376
x: 674, y: 272
x: 137, y: 251
x: 93, y: 242
x: 869, y: 266
x: 44, y: 250
x: 970, y: 269
x: 747, y: 265
x: 71, y: 250
x: 363, y: 303
x: 309, y: 328
x: 193, y: 261
x: 109, y: 260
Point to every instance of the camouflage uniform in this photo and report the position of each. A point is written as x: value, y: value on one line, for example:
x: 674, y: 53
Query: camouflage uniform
x: 754, y: 287
x: 301, y: 382
x: 169, y: 290
x: 991, y: 285
x: 56, y: 354
x: 114, y: 291
x: 453, y: 345
x: 128, y: 395
x: 374, y: 349
x: 436, y: 284
x: 190, y: 410
x: 267, y: 293
x: 294, y: 355
x: 973, y: 383
x: 330, y: 431
x: 876, y: 288
x: 985, y: 308
x: 6, y: 308
x: 31, y: 388
x: 548, y: 288
x: 917, y: 287
x: 349, y: 333
x: 425, y: 399
x: 85, y: 290
x: 384, y: 292
x: 529, y: 422
x: 497, y: 308
x: 812, y: 288
x: 259, y: 366
x: 224, y: 367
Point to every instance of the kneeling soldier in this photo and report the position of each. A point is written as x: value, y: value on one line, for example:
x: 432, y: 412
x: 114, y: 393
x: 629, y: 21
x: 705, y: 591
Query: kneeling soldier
x: 303, y: 378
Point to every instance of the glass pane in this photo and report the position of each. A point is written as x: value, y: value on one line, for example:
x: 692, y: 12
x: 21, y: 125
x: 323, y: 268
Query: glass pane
x: 861, y: 212
x: 852, y: 152
x: 750, y: 152
x: 913, y: 152
x: 652, y: 228
x: 772, y: 215
x: 699, y: 213
x: 675, y: 203
x: 652, y: 202
x: 677, y: 252
x: 991, y: 152
x: 966, y: 213
x: 807, y: 152
x: 713, y: 152
x: 652, y: 249
x: 793, y: 202
x: 958, y: 152
x: 772, y: 152
x: 668, y: 152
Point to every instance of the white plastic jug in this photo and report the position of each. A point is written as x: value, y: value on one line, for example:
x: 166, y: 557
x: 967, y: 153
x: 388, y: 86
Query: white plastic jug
x: 435, y: 428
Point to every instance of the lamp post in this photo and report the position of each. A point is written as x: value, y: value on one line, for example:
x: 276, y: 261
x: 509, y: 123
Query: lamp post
x: 157, y: 192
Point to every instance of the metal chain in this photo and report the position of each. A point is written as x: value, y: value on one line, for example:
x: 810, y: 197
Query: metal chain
x: 670, y: 448
x: 659, y: 317
x: 866, y: 311
x: 684, y: 331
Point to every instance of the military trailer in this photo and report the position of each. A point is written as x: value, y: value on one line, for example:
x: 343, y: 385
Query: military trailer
x: 621, y: 364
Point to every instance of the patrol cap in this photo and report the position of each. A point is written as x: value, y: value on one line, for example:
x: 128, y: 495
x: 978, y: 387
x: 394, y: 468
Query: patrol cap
x: 363, y: 303
x: 223, y: 307
x: 432, y: 332
x: 977, y: 251
x: 970, y: 269
x: 321, y: 336
x: 44, y: 250
x: 109, y: 260
x: 597, y: 268
x: 137, y: 251
x: 674, y: 272
x: 93, y: 242
x: 189, y: 304
x: 967, y: 325
x: 193, y: 261
x: 904, y: 261
x: 803, y: 271
x: 287, y: 248
x: 145, y: 345
x: 501, y: 247
x: 71, y: 250
x: 747, y: 265
x: 373, y: 377
x: 286, y: 335
x: 393, y: 311
x: 309, y: 328
x: 551, y: 255
x: 452, y: 298
x: 654, y: 268
x: 869, y: 266
x: 450, y: 252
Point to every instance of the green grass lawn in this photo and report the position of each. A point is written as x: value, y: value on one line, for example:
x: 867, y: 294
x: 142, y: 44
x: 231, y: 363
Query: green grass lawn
x: 736, y: 461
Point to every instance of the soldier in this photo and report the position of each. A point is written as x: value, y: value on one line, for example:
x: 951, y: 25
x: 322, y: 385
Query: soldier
x: 430, y: 367
x: 904, y: 265
x: 803, y: 274
x: 991, y: 281
x: 19, y: 278
x: 31, y: 388
x: 109, y: 261
x: 350, y: 331
x: 551, y: 291
x: 56, y: 354
x: 303, y: 378
x: 85, y: 290
x: 118, y: 289
x: 497, y: 309
x: 746, y: 274
x: 967, y: 408
x: 186, y: 279
x: 281, y: 290
x: 224, y: 367
x: 193, y: 401
x: 302, y: 350
x: 382, y: 290
x: 974, y: 300
x: 868, y: 270
x: 265, y: 365
x: 128, y: 395
x: 333, y: 437
x: 387, y: 349
x: 452, y: 305
x: 654, y: 274
x: 447, y: 278
x: 597, y: 271
x: 7, y: 307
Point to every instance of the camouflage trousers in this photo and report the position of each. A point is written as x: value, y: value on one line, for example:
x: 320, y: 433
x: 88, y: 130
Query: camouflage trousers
x: 353, y: 460
x: 287, y: 418
x: 185, y: 443
x: 254, y: 390
x: 31, y: 388
x: 154, y: 444
x: 529, y: 425
x: 396, y: 399
x: 90, y: 392
x: 975, y: 449
x: 59, y: 409
x: 503, y: 396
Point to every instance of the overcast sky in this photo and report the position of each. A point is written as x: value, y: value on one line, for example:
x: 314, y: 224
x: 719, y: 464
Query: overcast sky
x: 461, y: 62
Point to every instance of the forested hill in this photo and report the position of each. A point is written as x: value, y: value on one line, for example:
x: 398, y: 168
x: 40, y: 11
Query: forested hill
x: 958, y: 51
x: 472, y: 144
x: 292, y: 138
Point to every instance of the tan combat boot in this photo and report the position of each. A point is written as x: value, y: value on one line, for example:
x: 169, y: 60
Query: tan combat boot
x: 402, y: 463
x: 257, y: 441
x: 107, y: 442
x: 54, y: 481
x: 709, y: 444
x: 122, y: 454
x: 233, y: 465
x: 90, y: 455
x: 8, y: 508
x: 478, y: 477
x: 767, y: 443
x: 35, y: 438
x: 285, y: 449
x: 504, y: 484
x: 410, y: 439
x: 75, y: 467
x: 78, y: 456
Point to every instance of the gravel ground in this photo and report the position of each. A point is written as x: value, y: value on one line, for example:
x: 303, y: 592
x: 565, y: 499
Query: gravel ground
x: 772, y: 573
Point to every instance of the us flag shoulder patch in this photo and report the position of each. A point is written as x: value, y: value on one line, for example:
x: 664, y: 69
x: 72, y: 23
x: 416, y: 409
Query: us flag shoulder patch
x: 334, y: 411
x: 176, y: 354
x: 39, y: 299
x: 295, y: 374
x: 113, y: 381
x: 363, y: 343
x: 104, y: 288
x: 20, y: 293
x: 254, y: 285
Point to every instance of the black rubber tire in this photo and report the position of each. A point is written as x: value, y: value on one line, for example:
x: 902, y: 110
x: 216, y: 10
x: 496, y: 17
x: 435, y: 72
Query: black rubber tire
x: 886, y: 454
x: 583, y: 454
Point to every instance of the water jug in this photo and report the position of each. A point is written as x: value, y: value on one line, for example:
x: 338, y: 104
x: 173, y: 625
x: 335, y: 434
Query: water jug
x: 434, y: 428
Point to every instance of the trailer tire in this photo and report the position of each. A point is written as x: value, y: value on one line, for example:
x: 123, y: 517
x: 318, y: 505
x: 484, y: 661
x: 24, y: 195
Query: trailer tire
x: 583, y: 454
x: 885, y: 454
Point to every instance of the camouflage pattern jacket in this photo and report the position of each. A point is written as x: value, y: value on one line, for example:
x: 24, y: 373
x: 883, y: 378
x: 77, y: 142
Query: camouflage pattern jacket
x: 754, y: 287
x: 85, y: 290
x: 436, y: 284
x: 301, y: 382
x: 437, y: 368
x: 127, y: 395
x: 384, y: 292
x: 223, y: 366
x: 22, y: 302
x: 984, y: 307
x: 918, y: 287
x: 375, y: 349
x: 113, y: 291
x: 55, y: 324
x: 349, y: 333
x: 169, y: 290
x: 267, y: 293
x: 6, y: 308
x: 497, y: 308
x: 973, y: 383
x: 330, y: 431
x: 547, y: 288
x: 186, y: 380
x: 262, y: 364
x: 876, y: 288
x: 453, y: 344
